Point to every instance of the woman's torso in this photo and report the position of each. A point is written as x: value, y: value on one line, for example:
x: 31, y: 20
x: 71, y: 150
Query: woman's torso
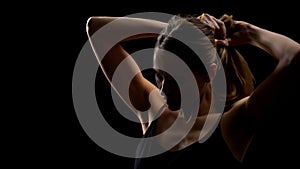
x: 210, y: 154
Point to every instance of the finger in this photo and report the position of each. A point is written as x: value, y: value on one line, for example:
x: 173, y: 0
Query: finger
x: 204, y: 18
x: 212, y: 20
x: 222, y: 27
x: 208, y: 22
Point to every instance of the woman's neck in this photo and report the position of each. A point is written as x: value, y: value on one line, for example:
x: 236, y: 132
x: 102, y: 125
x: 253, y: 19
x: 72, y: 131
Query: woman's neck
x: 205, y: 99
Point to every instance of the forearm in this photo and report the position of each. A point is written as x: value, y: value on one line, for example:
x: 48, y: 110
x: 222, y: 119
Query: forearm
x: 280, y: 83
x: 126, y: 24
x: 105, y: 35
x: 106, y: 32
x: 282, y: 48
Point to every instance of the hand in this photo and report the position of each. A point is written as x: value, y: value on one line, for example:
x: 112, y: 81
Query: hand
x: 243, y: 33
x: 217, y: 25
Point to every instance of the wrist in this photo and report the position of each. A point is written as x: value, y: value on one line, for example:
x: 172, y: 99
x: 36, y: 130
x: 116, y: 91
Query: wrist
x: 254, y: 34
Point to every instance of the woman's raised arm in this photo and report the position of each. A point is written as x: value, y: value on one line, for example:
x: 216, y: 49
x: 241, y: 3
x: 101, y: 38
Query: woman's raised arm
x: 282, y: 48
x: 105, y: 36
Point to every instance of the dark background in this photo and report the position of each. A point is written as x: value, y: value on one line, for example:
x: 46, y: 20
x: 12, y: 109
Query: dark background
x: 53, y: 34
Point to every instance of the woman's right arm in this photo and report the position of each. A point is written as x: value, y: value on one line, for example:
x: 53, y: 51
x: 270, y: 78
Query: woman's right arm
x: 257, y: 109
x: 121, y: 29
x: 283, y: 49
x: 114, y: 54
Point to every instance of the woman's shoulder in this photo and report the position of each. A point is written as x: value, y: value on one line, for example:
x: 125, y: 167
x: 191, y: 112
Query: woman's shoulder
x: 235, y: 128
x: 212, y: 152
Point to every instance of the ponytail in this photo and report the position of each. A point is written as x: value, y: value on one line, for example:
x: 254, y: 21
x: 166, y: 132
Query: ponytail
x: 240, y: 80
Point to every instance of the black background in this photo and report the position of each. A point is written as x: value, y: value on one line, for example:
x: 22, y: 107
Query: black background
x: 53, y: 34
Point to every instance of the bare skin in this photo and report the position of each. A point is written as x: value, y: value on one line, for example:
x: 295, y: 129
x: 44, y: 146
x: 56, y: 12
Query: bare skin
x: 237, y: 123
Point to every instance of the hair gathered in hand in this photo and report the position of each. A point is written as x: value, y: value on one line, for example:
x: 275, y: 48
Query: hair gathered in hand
x: 240, y: 80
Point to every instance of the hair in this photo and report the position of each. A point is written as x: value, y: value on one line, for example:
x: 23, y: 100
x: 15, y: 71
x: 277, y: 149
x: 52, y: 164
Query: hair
x: 239, y: 78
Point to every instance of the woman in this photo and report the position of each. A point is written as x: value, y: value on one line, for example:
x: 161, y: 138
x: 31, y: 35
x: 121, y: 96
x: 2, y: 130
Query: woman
x: 246, y: 109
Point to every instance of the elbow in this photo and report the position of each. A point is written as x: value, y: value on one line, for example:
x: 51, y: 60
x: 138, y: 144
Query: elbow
x: 90, y: 26
x: 94, y: 23
x: 291, y: 59
x: 294, y: 54
x: 294, y: 63
x: 87, y: 25
x: 296, y: 58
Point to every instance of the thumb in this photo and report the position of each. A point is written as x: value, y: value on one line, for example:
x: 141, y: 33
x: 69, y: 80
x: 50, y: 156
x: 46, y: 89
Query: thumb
x: 224, y: 42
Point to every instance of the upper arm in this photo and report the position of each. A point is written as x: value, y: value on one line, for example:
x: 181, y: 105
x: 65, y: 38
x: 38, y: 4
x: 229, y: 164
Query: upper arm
x: 272, y: 103
x: 275, y: 93
x: 122, y: 71
x: 127, y: 79
x: 236, y: 129
x: 94, y: 23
